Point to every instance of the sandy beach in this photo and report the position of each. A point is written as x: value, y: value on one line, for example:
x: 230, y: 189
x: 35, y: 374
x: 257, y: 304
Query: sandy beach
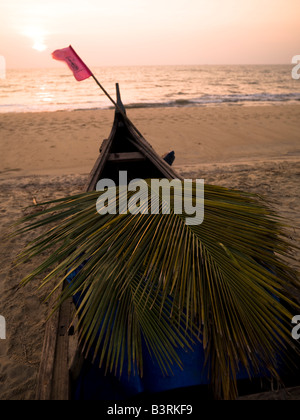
x: 49, y: 155
x: 68, y: 142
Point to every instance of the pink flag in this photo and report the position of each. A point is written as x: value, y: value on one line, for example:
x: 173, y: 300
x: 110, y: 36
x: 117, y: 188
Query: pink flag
x: 74, y: 62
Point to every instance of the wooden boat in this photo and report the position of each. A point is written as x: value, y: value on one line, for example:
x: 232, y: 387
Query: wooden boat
x: 125, y: 150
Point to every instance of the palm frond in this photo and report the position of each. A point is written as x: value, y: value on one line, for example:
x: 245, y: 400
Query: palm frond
x: 154, y: 278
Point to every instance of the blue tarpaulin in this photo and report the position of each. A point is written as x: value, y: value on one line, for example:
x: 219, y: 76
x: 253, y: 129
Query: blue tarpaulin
x: 94, y: 383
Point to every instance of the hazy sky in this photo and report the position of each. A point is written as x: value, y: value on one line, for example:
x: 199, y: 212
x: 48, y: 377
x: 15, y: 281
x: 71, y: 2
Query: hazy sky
x: 150, y: 32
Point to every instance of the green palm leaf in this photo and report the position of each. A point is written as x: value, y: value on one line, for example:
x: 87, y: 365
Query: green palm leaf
x: 153, y: 278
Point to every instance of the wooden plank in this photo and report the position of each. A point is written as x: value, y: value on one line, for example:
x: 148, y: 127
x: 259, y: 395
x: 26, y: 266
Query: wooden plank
x: 143, y: 146
x: 126, y: 157
x: 44, y: 384
x: 119, y: 100
x: 53, y: 379
x: 101, y: 161
x: 61, y: 379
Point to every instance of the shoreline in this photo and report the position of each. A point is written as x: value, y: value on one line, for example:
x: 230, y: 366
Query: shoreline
x: 163, y: 105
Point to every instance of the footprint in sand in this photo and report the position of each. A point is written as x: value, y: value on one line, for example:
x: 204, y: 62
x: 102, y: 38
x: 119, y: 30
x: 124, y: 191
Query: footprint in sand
x: 6, y: 170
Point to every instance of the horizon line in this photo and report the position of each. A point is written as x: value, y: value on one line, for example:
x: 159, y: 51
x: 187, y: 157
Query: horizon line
x: 154, y: 65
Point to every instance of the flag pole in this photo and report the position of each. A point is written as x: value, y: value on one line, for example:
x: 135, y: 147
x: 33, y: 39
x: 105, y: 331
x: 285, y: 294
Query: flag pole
x: 68, y: 55
x: 107, y: 94
x: 116, y: 105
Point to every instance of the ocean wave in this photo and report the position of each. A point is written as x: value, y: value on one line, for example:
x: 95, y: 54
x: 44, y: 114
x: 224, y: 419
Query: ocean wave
x: 219, y: 99
x: 178, y: 101
x: 149, y: 87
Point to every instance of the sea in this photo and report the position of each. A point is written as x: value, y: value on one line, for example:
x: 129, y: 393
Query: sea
x: 47, y: 90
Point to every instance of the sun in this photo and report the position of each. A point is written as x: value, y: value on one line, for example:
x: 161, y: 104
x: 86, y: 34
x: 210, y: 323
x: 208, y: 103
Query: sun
x: 39, y: 46
x: 38, y: 36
